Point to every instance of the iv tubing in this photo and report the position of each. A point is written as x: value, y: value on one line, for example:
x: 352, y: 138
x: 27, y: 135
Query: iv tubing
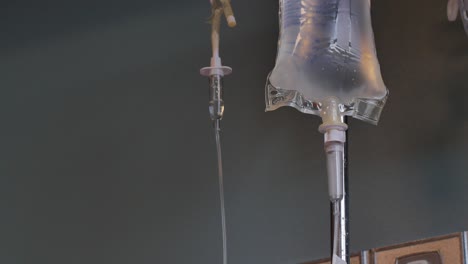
x: 221, y: 188
x: 215, y: 27
x: 216, y: 104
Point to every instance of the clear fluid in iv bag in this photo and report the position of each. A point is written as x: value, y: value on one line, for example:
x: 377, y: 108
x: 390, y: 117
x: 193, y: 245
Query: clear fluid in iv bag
x: 326, y: 49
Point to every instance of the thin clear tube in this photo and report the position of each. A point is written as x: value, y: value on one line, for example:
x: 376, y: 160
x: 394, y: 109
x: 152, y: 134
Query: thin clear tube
x: 221, y: 188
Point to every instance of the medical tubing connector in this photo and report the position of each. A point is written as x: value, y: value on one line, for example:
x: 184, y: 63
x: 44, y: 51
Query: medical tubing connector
x: 334, y: 150
x: 334, y: 130
x: 216, y: 103
x: 215, y: 73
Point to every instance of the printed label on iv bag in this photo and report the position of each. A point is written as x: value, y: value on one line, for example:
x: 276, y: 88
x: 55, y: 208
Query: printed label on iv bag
x: 326, y: 49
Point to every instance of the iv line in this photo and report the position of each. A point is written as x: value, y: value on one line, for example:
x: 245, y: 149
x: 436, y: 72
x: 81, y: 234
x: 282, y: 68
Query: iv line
x: 221, y: 188
x: 216, y: 72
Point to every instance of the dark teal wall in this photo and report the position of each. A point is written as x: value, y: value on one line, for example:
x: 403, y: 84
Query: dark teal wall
x: 107, y: 153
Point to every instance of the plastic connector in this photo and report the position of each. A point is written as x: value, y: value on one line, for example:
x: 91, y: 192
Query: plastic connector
x: 334, y: 129
x: 334, y: 151
x: 331, y: 116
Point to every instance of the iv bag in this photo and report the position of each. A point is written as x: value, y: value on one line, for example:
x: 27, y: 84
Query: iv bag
x: 464, y: 13
x: 326, y: 50
x: 453, y: 9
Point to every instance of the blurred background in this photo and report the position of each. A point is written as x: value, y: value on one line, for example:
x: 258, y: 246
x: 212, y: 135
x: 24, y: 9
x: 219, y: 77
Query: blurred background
x: 107, y: 152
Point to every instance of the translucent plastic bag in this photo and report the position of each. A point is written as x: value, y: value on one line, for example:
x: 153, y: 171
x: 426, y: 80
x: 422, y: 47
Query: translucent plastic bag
x: 326, y: 50
x: 464, y: 13
x: 455, y: 6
